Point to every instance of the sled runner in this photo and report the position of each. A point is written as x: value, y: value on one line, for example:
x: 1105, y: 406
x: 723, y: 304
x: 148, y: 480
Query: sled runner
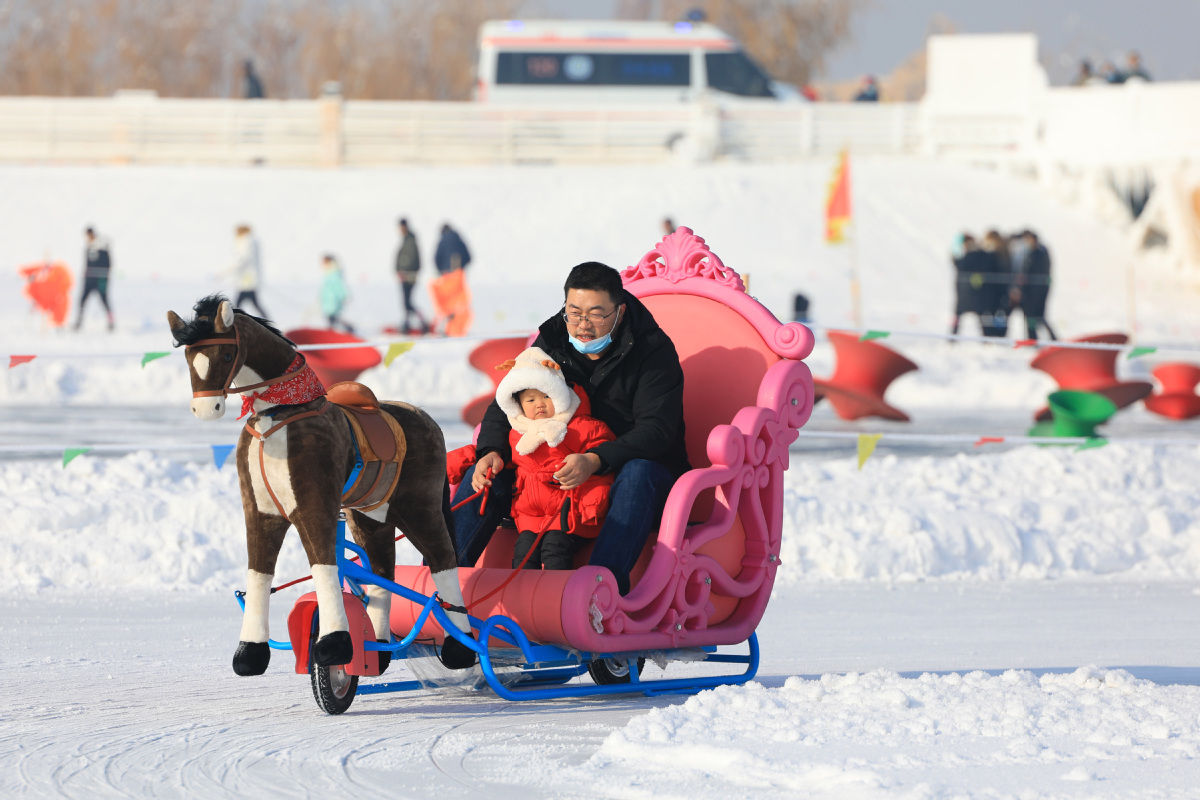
x: 704, y: 579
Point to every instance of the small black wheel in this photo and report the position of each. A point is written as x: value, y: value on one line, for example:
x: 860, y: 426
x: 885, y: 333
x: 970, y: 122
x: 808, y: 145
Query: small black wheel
x: 608, y: 671
x: 332, y: 687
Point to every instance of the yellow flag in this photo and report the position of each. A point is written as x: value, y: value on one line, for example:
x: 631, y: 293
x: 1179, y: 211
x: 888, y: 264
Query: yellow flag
x: 396, y: 350
x: 866, y: 446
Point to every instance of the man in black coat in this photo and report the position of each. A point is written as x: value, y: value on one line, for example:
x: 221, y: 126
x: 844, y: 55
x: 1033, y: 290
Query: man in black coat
x: 253, y: 88
x: 1032, y: 287
x: 97, y: 265
x: 607, y: 342
x: 408, y: 266
x: 971, y: 267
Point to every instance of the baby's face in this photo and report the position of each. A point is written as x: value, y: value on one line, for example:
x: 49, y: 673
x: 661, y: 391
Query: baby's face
x: 535, y: 404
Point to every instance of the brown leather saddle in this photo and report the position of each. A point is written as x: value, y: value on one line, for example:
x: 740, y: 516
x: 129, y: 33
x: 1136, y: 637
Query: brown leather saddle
x: 380, y: 442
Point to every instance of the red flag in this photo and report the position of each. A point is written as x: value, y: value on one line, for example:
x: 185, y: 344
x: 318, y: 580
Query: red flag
x: 16, y: 360
x: 837, y: 204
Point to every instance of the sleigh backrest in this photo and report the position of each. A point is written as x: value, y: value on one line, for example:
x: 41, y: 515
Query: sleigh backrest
x: 726, y: 339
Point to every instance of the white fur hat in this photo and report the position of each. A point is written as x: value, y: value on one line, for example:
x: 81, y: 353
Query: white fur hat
x: 533, y: 369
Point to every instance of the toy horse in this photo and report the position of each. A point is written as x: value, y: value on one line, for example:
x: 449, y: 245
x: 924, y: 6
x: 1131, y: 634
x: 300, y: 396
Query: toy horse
x: 294, y: 458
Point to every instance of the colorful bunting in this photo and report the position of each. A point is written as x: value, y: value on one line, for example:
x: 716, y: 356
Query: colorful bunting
x: 866, y: 446
x: 869, y: 335
x: 396, y: 350
x: 221, y: 453
x: 71, y: 452
x: 989, y: 440
x: 16, y: 360
x: 1141, y: 351
x: 146, y: 359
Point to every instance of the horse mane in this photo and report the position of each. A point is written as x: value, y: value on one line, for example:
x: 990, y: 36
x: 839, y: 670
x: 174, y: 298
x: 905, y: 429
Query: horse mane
x: 201, y: 326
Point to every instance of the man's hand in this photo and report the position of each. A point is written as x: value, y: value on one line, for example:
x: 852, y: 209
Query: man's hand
x: 492, y: 462
x: 576, y: 469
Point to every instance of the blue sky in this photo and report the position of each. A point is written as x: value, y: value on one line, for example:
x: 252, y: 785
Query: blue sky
x: 888, y: 31
x: 1163, y: 31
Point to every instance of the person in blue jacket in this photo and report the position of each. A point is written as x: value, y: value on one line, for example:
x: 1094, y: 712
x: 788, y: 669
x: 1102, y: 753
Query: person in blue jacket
x: 452, y: 252
x: 334, y: 292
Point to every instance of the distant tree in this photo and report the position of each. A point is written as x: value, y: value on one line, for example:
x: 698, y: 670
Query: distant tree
x: 791, y: 39
x: 383, y: 49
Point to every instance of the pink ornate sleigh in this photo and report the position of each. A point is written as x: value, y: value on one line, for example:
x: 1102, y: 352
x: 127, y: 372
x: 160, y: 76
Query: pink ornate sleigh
x: 704, y: 580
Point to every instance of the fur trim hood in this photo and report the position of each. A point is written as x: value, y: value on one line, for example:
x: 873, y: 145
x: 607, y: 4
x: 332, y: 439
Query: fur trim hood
x: 533, y: 369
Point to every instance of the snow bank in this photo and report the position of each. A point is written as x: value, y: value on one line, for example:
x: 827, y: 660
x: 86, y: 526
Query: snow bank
x: 150, y: 521
x: 1032, y: 512
x: 934, y: 736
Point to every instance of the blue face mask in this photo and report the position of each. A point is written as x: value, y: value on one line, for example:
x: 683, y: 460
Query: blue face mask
x: 595, y: 345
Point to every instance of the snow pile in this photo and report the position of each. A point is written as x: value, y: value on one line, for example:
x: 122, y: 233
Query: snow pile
x: 150, y: 521
x: 1031, y: 512
x: 934, y: 736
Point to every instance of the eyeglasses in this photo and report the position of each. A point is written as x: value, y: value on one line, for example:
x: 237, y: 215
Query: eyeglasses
x: 594, y: 317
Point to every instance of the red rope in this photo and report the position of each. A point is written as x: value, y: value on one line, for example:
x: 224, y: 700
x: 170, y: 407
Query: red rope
x: 483, y: 491
x: 275, y: 589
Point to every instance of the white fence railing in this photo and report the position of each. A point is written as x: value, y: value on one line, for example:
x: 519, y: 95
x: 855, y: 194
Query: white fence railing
x: 1132, y: 124
x: 329, y: 132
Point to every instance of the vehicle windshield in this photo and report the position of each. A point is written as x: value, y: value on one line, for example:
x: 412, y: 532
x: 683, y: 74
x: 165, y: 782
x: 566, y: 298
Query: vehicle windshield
x: 736, y: 74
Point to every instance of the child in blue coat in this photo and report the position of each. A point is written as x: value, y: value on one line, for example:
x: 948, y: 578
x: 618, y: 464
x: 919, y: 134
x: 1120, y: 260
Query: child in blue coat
x: 334, y: 292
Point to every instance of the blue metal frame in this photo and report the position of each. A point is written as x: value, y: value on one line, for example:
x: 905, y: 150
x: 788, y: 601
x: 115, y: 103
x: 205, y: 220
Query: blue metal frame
x: 546, y: 667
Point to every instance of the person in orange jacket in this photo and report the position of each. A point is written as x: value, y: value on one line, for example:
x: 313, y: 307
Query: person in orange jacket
x: 550, y: 421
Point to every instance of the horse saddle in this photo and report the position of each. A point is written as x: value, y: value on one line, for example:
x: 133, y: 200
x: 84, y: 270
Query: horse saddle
x: 380, y: 442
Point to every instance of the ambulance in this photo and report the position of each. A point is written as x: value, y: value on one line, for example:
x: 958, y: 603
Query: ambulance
x: 621, y: 61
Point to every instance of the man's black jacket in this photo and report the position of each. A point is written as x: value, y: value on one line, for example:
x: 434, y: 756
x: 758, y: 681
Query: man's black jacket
x: 636, y: 388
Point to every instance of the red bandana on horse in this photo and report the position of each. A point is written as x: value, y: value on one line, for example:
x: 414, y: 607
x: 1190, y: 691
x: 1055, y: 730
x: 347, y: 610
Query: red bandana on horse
x: 303, y: 387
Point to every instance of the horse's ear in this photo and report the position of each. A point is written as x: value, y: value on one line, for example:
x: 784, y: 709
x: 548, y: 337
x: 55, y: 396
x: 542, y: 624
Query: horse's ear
x: 176, y: 324
x: 224, y: 320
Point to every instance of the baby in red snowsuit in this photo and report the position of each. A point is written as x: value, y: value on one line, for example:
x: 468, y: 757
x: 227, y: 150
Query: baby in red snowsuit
x: 549, y: 422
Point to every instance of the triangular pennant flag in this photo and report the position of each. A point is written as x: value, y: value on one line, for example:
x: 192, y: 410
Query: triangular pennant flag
x: 869, y: 335
x: 221, y: 453
x: 1095, y: 441
x: 1024, y: 343
x: 16, y: 360
x: 1141, y: 351
x: 396, y: 350
x: 146, y: 359
x: 71, y: 452
x: 989, y: 440
x: 866, y: 446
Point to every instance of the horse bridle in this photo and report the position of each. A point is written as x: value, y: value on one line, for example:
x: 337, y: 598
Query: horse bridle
x: 238, y: 363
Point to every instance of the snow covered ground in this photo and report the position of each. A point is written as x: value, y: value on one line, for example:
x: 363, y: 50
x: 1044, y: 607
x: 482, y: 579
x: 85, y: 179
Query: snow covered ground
x: 949, y: 621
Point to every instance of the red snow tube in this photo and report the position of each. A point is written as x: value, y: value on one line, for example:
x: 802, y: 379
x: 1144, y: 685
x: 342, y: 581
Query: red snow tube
x: 334, y: 366
x: 1178, y: 398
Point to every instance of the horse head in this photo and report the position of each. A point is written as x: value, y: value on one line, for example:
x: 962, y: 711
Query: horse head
x: 228, y: 352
